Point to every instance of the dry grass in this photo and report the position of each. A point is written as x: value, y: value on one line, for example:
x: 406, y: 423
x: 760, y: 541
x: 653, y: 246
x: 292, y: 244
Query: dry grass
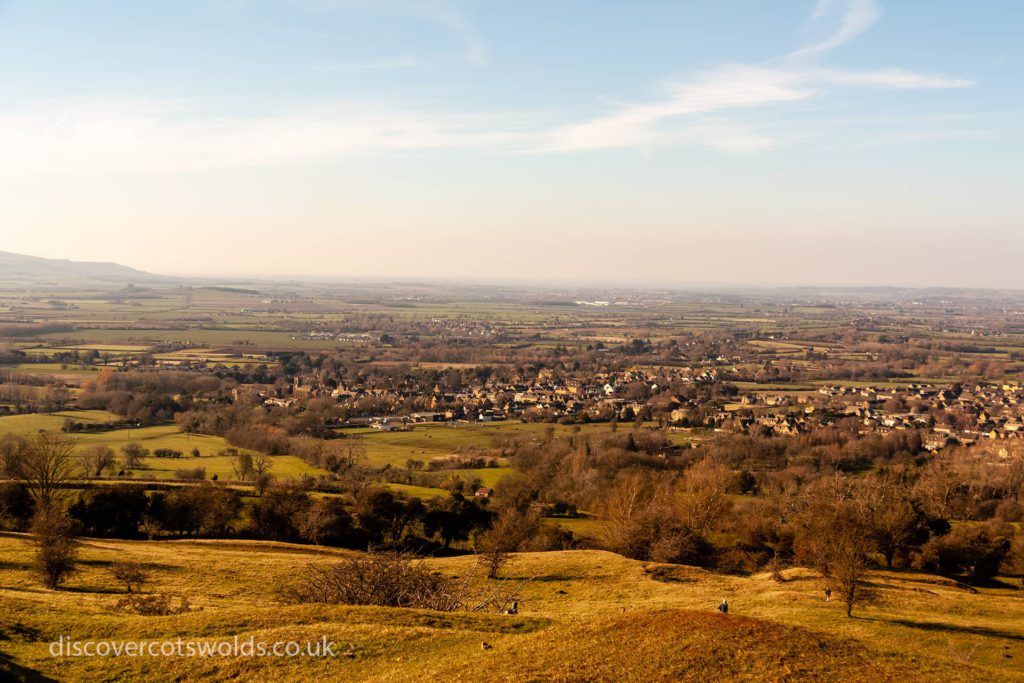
x: 588, y: 615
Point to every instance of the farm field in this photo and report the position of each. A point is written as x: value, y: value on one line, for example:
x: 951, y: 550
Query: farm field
x: 153, y: 438
x: 916, y: 627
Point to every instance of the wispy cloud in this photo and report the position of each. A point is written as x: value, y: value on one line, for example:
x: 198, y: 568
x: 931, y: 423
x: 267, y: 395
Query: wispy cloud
x: 156, y: 137
x: 745, y: 87
x: 736, y: 109
x: 855, y: 17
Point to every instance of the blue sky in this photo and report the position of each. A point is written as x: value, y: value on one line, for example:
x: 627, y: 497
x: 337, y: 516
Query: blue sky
x: 831, y: 142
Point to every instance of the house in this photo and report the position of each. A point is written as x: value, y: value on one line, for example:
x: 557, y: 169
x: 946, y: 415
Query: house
x: 484, y: 492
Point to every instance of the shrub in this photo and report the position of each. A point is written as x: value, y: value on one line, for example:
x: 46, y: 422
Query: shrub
x: 132, y: 574
x: 388, y: 579
x: 191, y: 474
x: 155, y: 605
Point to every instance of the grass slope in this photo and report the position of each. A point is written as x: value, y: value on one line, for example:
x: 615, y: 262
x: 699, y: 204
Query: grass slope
x: 587, y: 615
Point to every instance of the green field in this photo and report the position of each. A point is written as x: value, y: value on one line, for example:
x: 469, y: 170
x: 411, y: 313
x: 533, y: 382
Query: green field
x: 163, y: 436
x: 33, y: 422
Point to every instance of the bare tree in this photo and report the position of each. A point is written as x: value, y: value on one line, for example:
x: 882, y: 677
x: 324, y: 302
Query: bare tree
x: 242, y: 466
x: 510, y: 533
x: 836, y: 539
x: 848, y: 561
x: 96, y: 459
x: 133, y: 454
x: 11, y: 448
x: 45, y: 465
x: 261, y: 464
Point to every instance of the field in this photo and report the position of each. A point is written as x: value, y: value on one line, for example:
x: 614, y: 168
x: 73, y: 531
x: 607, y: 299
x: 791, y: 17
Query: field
x: 152, y: 438
x: 587, y: 615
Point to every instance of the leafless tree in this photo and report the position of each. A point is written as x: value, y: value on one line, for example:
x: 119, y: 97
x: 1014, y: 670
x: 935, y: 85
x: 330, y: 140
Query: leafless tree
x: 96, y: 459
x: 133, y: 454
x: 45, y: 465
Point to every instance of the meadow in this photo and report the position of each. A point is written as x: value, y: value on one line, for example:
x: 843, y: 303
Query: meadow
x: 584, y: 615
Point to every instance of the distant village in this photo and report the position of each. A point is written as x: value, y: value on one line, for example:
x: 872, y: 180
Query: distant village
x: 678, y: 398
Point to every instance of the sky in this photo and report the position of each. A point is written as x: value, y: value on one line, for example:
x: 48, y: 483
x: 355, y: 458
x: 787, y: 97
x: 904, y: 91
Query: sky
x: 837, y: 142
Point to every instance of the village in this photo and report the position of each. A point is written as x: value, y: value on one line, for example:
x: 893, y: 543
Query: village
x: 676, y: 398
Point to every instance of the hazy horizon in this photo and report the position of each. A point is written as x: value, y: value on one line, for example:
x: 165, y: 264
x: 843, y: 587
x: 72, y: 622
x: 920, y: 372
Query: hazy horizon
x: 822, y: 144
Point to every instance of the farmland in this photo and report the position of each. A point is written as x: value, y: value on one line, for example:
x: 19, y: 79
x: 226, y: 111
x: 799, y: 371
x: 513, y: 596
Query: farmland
x: 635, y: 463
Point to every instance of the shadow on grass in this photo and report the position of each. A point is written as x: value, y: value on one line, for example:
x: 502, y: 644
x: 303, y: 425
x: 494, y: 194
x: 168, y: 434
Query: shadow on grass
x: 907, y: 589
x: 949, y: 628
x: 26, y: 634
x: 12, y: 671
x: 539, y: 579
x: 5, y: 565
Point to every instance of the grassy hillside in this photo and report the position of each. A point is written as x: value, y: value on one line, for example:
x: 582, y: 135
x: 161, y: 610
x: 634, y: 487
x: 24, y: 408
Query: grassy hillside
x: 587, y: 615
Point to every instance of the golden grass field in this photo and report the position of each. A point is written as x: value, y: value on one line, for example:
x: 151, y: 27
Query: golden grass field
x: 586, y: 616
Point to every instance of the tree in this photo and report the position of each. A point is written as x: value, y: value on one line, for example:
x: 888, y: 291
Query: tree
x: 848, y: 557
x: 898, y: 527
x: 511, y: 532
x: 835, y: 538
x: 45, y: 465
x: 261, y: 465
x: 242, y: 466
x: 968, y: 549
x: 352, y: 452
x: 11, y: 447
x: 56, y: 550
x: 133, y: 454
x: 96, y: 459
x: 16, y: 507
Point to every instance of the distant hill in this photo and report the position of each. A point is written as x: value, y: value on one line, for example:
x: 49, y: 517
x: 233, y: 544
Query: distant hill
x: 34, y: 268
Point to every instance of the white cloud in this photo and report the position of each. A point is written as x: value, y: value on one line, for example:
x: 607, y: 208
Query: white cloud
x: 889, y: 78
x: 144, y: 137
x: 715, y: 110
x: 858, y: 16
x: 746, y: 87
x: 635, y: 125
x: 732, y: 88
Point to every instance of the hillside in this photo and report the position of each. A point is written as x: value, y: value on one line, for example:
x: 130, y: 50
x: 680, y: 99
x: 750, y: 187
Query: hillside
x: 21, y: 267
x: 586, y: 615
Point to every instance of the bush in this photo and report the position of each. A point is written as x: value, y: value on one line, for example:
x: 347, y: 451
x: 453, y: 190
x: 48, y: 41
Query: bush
x: 192, y: 474
x: 395, y: 579
x: 156, y: 605
x: 388, y: 579
x: 132, y: 574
